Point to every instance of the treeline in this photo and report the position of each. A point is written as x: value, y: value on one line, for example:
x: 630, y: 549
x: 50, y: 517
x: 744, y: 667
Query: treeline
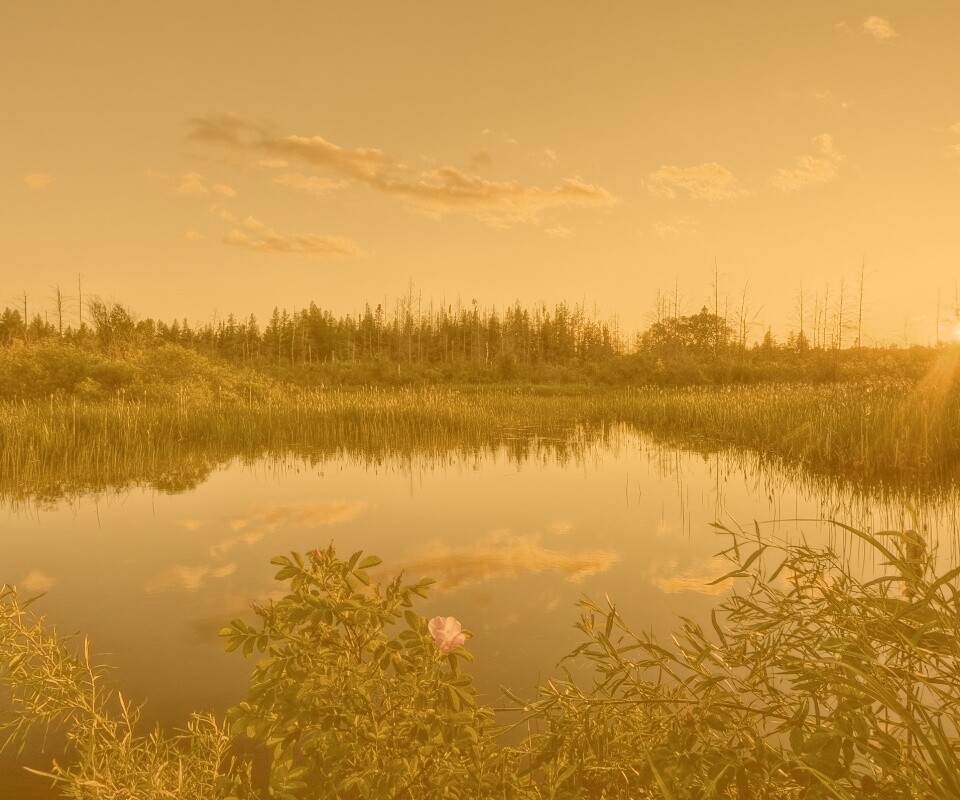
x: 417, y: 342
x: 409, y: 334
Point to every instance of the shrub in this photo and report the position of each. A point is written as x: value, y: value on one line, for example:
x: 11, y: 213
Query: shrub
x: 352, y: 704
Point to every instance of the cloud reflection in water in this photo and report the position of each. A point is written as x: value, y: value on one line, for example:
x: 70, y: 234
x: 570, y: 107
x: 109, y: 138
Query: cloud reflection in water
x: 502, y: 554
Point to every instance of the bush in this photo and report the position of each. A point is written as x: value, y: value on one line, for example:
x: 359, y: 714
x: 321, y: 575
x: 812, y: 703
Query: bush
x: 353, y: 705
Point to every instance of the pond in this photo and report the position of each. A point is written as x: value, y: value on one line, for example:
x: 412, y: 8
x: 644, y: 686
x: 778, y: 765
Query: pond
x: 513, y: 535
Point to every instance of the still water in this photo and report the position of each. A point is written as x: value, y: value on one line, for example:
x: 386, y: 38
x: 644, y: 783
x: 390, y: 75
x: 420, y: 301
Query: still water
x: 150, y: 577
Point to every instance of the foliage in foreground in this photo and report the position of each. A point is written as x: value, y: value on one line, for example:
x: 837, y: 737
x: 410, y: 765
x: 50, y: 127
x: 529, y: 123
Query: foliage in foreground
x: 810, y: 682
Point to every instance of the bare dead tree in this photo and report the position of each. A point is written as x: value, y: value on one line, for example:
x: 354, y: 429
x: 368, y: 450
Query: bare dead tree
x: 58, y: 302
x: 801, y: 298
x: 826, y: 307
x: 840, y: 316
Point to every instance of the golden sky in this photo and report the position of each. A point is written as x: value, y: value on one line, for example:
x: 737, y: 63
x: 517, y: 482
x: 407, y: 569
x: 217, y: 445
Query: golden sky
x: 200, y: 158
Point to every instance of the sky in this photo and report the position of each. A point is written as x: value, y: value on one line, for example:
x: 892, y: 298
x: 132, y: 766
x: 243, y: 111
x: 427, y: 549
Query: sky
x: 195, y: 159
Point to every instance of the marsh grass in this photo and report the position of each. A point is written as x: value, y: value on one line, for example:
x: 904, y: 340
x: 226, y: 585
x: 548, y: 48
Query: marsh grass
x: 48, y: 681
x: 880, y: 436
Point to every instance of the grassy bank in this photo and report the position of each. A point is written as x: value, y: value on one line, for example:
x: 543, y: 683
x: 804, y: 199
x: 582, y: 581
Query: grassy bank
x: 893, y: 435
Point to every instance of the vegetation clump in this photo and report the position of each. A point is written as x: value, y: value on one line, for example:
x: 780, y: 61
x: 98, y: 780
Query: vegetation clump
x: 808, y: 682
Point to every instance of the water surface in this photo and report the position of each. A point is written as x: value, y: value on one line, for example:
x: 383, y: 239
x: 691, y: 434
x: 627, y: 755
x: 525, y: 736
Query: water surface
x: 513, y: 542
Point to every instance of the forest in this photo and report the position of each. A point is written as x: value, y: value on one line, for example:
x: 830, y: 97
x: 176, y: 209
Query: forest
x: 414, y: 342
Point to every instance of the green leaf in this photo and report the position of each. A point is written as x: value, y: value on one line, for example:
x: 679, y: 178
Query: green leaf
x: 796, y: 740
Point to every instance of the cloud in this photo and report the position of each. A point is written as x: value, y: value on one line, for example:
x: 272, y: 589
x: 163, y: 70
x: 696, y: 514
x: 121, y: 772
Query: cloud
x: 447, y: 188
x: 226, y: 130
x: 844, y: 27
x: 548, y: 158
x: 830, y: 98
x: 502, y: 554
x: 37, y: 180
x: 260, y: 521
x: 482, y: 158
x: 710, y: 181
x: 268, y: 240
x: 438, y: 190
x: 312, y: 184
x: 954, y: 149
x: 810, y: 169
x: 192, y: 236
x: 252, y: 234
x: 192, y: 183
x: 503, y: 136
x: 36, y: 581
x: 189, y: 578
x: 697, y: 577
x: 558, y: 232
x: 880, y: 29
x: 221, y: 211
x: 675, y: 228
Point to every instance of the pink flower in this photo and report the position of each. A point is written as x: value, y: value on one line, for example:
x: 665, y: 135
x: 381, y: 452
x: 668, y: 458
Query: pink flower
x: 446, y: 632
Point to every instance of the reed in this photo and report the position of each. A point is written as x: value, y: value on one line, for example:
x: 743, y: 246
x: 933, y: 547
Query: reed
x: 882, y: 435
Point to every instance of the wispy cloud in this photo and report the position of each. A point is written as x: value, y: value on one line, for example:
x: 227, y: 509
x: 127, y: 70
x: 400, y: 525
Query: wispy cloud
x: 252, y: 526
x: 192, y: 236
x: 709, y: 181
x: 502, y: 136
x: 36, y: 581
x: 558, y: 232
x: 192, y: 183
x: 438, y: 190
x: 502, y: 554
x: 37, y: 180
x: 675, y: 228
x: 879, y: 28
x: 954, y: 149
x: 311, y: 184
x: 188, y: 578
x: 547, y: 158
x: 828, y: 97
x: 268, y: 240
x: 482, y: 159
x: 255, y: 235
x: 220, y: 211
x: 810, y: 169
x: 447, y: 188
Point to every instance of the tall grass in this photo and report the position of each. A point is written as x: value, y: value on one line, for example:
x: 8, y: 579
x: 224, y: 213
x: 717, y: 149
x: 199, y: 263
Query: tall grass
x: 893, y: 436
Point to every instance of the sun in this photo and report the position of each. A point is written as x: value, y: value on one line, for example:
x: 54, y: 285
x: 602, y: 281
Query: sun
x: 955, y: 331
